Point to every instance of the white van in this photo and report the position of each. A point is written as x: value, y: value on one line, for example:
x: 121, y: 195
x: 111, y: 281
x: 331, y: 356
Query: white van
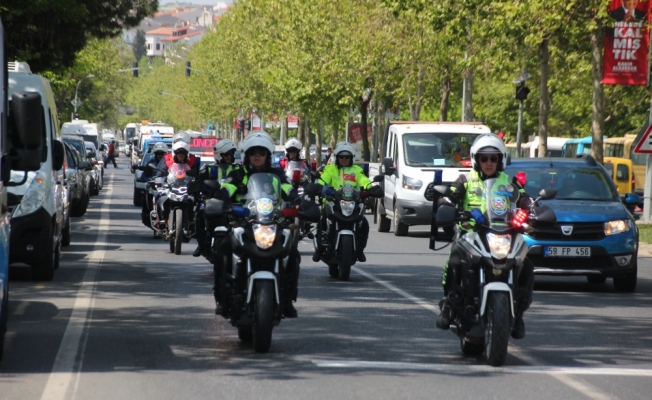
x: 555, y: 144
x: 412, y: 151
x: 37, y: 205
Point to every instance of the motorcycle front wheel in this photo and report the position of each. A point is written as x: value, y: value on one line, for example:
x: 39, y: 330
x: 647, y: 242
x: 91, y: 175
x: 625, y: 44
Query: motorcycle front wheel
x: 263, y: 315
x: 346, y: 254
x: 178, y: 231
x: 496, y: 333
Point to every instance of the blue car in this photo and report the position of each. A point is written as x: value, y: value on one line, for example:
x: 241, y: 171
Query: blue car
x: 595, y: 235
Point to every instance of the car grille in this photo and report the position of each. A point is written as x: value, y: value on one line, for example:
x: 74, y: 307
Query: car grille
x: 587, y: 232
x: 589, y: 263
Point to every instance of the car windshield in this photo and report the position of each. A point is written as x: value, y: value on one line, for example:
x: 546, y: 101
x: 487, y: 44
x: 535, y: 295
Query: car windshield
x: 77, y: 144
x: 438, y: 149
x: 147, y: 158
x: 571, y: 182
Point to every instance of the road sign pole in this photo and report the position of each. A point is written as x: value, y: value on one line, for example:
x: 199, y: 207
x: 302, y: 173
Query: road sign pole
x: 647, y: 191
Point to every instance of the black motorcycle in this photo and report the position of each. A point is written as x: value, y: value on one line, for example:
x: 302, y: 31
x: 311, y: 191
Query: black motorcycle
x: 344, y: 210
x: 252, y: 269
x: 493, y: 251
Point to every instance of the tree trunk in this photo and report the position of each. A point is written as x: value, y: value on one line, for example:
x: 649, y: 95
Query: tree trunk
x: 299, y: 129
x: 468, y: 96
x: 306, y: 140
x: 445, y: 98
x: 334, y: 135
x: 318, y: 137
x: 597, y: 124
x: 365, y: 138
x: 381, y: 129
x: 415, y: 109
x: 544, y: 97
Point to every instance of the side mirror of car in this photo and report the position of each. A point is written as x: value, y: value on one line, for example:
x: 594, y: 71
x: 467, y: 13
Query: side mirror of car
x: 388, y: 166
x: 379, y: 178
x: 85, y: 165
x: 631, y: 199
x: 58, y: 153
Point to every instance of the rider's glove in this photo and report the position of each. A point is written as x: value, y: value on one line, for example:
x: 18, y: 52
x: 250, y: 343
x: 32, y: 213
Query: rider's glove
x: 477, y: 215
x: 242, y: 189
x: 327, y: 191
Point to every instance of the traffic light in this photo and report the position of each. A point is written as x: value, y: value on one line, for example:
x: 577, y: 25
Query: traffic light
x: 187, y: 68
x: 135, y: 69
x: 522, y: 91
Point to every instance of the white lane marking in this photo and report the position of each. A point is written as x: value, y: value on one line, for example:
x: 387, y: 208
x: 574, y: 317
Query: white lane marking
x: 483, y: 368
x: 516, y: 351
x: 65, y: 366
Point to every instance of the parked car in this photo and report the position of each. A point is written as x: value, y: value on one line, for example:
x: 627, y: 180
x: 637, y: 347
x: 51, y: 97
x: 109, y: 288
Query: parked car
x: 77, y: 142
x: 595, y: 235
x: 77, y: 172
x: 139, y: 184
x: 67, y: 204
x: 91, y: 157
x: 37, y: 204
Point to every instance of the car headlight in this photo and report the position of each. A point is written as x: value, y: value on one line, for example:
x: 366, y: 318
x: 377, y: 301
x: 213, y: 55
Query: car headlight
x: 33, y: 198
x: 264, y: 235
x: 619, y: 226
x: 411, y: 183
x: 499, y: 245
x: 347, y: 207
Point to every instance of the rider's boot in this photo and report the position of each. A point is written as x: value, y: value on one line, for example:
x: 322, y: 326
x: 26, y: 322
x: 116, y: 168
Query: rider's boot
x: 198, y: 250
x: 444, y: 318
x: 288, y: 309
x: 519, y: 327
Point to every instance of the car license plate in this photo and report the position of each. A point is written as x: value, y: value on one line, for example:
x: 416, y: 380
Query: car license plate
x: 563, y: 251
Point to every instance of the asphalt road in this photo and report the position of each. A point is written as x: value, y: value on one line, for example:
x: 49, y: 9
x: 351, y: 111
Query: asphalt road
x: 124, y: 318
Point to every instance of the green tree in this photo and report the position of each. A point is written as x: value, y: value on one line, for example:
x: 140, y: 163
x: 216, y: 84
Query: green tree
x: 139, y: 45
x: 49, y: 33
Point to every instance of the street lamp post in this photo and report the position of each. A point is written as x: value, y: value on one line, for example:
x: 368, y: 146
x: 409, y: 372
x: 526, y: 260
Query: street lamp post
x: 521, y: 94
x: 76, y: 103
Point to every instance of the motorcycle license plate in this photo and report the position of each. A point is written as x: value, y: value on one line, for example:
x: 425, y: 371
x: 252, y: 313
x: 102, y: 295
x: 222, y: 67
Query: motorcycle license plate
x: 563, y: 251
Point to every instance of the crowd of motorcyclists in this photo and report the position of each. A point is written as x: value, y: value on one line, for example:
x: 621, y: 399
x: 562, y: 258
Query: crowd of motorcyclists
x: 235, y: 206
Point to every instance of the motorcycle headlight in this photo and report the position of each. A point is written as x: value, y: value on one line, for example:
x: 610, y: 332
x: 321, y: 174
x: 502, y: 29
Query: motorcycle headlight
x: 33, y: 198
x: 499, y: 245
x: 619, y: 226
x: 264, y: 235
x: 411, y: 183
x: 347, y: 207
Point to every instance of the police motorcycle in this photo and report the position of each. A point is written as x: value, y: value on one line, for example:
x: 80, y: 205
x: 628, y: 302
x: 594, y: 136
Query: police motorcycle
x: 179, y: 189
x: 299, y: 175
x: 483, y: 308
x: 260, y: 236
x: 344, y: 210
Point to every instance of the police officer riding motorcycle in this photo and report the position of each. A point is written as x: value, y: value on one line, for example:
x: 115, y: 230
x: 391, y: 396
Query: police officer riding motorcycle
x: 159, y: 150
x: 488, y: 155
x: 224, y: 155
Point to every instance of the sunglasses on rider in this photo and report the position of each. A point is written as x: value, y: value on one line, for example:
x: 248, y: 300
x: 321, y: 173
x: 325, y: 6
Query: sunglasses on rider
x: 344, y: 157
x: 484, y: 159
x: 257, y: 152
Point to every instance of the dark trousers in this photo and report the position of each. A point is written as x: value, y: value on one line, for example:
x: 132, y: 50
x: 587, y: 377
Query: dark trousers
x: 361, y: 236
x: 110, y: 158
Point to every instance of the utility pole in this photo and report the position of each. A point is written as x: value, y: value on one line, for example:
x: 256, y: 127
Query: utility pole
x: 76, y: 102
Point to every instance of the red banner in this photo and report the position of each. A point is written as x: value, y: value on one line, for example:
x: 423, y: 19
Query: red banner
x: 626, y: 44
x: 355, y: 139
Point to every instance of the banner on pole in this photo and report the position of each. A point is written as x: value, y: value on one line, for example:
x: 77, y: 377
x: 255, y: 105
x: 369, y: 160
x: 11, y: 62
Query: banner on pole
x: 626, y: 43
x: 355, y: 139
x: 293, y: 122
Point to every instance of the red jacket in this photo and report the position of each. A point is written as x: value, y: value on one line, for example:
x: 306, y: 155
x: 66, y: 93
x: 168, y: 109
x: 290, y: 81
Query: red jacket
x: 169, y: 160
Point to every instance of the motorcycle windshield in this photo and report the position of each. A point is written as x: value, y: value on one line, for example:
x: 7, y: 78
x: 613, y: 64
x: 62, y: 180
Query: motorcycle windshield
x: 178, y: 175
x: 301, y: 166
x: 263, y: 197
x: 500, y: 200
x: 350, y: 189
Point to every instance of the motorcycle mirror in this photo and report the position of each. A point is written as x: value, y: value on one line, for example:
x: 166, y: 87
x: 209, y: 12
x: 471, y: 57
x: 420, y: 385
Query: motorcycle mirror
x: 193, y: 187
x: 312, y: 188
x: 478, y: 191
x: 212, y: 184
x: 441, y: 189
x: 547, y: 194
x: 446, y: 215
x: 543, y: 216
x: 379, y: 178
x: 376, y: 191
x: 214, y: 208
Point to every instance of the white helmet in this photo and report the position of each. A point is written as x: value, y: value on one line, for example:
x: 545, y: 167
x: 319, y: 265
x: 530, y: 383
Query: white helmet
x: 488, y: 143
x: 293, y: 143
x: 181, y: 135
x: 258, y: 139
x: 343, y: 147
x: 180, y: 146
x: 160, y: 147
x: 223, y: 146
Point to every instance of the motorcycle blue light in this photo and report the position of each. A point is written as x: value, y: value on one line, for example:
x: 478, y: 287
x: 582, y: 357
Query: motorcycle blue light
x: 240, y: 211
x: 438, y: 176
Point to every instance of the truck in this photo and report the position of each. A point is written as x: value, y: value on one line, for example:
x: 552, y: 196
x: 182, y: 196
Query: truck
x: 411, y: 154
x: 22, y: 129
